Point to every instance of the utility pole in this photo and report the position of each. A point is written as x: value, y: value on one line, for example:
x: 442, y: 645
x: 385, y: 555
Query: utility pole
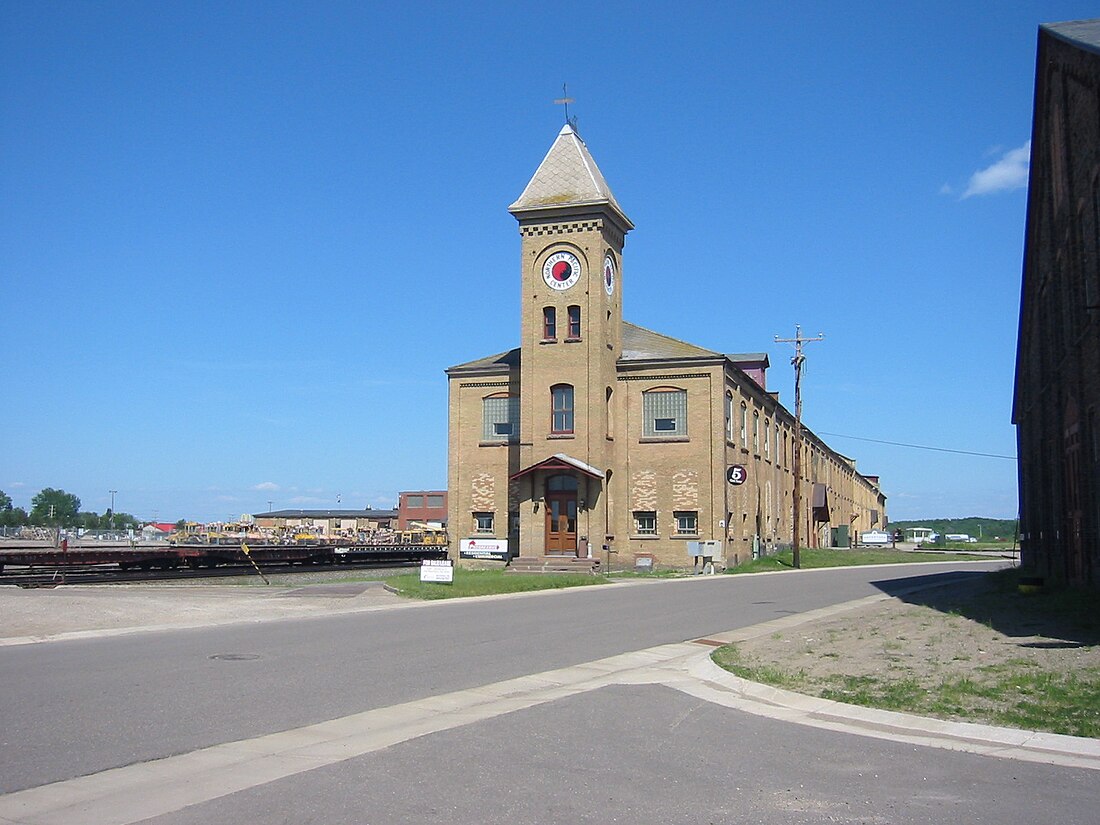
x: 798, y: 341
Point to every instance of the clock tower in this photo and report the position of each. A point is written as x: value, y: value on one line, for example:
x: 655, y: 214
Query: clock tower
x: 572, y: 234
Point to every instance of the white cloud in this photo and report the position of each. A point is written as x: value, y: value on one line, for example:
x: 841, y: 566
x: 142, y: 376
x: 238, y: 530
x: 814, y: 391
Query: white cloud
x: 1008, y: 173
x: 308, y: 500
x: 266, y: 485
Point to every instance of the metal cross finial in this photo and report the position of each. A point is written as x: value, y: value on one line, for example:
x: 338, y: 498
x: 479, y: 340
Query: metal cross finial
x: 565, y: 100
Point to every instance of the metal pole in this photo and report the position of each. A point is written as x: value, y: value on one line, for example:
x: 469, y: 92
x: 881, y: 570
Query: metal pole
x: 798, y: 341
x: 797, y: 496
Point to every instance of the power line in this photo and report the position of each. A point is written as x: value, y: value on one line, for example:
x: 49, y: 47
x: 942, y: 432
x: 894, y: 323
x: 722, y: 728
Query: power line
x: 921, y: 446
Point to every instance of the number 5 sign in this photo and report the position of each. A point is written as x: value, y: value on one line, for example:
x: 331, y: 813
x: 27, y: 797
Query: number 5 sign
x: 736, y: 474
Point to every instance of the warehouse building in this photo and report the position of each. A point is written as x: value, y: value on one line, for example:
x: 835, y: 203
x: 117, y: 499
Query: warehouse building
x: 1056, y: 408
x: 597, y: 440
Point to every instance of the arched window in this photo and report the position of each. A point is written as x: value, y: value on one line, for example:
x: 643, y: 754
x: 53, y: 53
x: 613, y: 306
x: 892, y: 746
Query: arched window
x: 729, y: 416
x: 664, y: 413
x: 574, y: 321
x: 499, y: 417
x: 755, y: 432
x: 561, y: 484
x: 608, y: 414
x: 767, y: 438
x: 744, y: 425
x: 549, y: 324
x: 561, y: 409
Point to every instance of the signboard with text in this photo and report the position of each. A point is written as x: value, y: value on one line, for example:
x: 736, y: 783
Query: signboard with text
x: 495, y: 549
x: 437, y: 570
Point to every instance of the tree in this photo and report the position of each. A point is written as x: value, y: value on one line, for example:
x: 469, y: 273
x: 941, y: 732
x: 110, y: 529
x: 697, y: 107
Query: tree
x: 5, y: 501
x: 55, y: 508
x: 13, y: 517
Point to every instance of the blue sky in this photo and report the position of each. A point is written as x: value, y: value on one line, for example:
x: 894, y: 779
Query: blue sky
x: 240, y: 242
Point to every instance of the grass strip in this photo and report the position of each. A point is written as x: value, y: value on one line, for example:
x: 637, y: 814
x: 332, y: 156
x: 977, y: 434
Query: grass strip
x: 816, y: 558
x: 486, y: 583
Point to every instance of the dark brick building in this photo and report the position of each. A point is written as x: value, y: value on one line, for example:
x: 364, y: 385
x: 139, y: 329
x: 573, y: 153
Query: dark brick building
x: 424, y: 506
x: 1056, y: 408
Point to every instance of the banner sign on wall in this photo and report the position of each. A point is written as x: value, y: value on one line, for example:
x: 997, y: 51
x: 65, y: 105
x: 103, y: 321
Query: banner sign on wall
x: 496, y: 549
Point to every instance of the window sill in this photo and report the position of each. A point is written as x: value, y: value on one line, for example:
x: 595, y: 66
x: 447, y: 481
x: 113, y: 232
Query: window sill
x: 644, y: 537
x: 657, y: 439
x: 560, y: 436
x: 573, y: 340
x: 688, y: 536
x: 501, y: 443
x: 549, y: 341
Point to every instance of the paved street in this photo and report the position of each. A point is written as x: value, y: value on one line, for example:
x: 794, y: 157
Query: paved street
x: 568, y: 706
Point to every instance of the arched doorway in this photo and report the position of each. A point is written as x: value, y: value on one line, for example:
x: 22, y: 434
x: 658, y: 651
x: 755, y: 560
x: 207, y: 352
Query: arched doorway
x: 561, y: 515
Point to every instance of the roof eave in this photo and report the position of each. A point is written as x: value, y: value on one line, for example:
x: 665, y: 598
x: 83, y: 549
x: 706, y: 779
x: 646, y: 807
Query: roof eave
x: 693, y: 360
x: 542, y: 211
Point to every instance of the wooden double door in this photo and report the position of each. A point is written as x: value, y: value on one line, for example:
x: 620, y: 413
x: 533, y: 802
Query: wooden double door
x: 561, y: 516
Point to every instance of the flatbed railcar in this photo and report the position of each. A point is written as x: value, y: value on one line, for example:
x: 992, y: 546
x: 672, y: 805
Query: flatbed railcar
x: 212, y: 555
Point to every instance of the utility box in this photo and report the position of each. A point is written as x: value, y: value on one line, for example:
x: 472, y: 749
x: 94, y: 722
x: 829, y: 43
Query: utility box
x: 840, y: 537
x: 712, y: 549
x: 707, y: 552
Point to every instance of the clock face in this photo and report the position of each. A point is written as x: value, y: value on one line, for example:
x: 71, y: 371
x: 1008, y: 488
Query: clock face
x: 609, y: 274
x: 561, y: 270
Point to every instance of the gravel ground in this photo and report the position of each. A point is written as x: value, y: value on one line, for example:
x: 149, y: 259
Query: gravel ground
x: 47, y: 612
x: 992, y: 642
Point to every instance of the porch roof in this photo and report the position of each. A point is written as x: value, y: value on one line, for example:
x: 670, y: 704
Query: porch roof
x: 560, y: 461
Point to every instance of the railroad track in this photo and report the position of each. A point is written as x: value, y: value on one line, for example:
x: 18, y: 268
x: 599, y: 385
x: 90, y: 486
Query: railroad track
x: 102, y: 574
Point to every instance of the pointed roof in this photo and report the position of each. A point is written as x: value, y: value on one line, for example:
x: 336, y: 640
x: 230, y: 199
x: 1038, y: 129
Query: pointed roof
x: 560, y: 461
x: 568, y: 176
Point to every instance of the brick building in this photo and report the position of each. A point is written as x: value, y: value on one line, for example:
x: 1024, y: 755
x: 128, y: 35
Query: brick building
x: 1056, y: 408
x: 422, y: 507
x: 599, y: 439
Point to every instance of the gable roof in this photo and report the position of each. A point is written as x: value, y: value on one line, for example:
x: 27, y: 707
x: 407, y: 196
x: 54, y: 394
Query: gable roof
x: 641, y: 344
x: 501, y: 362
x: 560, y: 461
x: 567, y: 176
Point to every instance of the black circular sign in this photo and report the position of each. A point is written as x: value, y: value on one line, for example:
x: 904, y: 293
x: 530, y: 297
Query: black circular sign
x: 736, y: 474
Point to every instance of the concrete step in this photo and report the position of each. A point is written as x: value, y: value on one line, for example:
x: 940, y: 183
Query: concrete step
x: 553, y: 564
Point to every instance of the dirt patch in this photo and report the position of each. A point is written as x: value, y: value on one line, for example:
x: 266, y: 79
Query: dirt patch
x: 977, y: 651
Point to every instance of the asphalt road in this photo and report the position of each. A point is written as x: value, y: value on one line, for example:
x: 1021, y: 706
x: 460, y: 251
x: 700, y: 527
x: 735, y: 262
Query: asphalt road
x: 619, y: 753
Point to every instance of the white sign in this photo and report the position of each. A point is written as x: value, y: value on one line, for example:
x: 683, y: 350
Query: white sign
x: 437, y: 570
x: 483, y: 549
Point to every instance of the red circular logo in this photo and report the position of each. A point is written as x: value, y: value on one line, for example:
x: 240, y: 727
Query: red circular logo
x: 562, y: 270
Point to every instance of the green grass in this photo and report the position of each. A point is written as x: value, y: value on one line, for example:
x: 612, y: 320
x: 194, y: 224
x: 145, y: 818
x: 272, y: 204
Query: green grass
x: 815, y: 558
x: 485, y: 583
x: 1013, y: 694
